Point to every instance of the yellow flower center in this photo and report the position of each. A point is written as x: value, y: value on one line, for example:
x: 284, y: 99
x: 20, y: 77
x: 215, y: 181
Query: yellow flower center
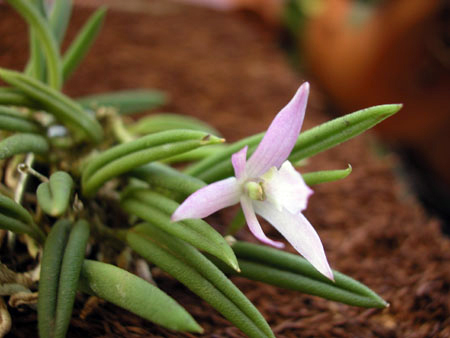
x: 255, y: 191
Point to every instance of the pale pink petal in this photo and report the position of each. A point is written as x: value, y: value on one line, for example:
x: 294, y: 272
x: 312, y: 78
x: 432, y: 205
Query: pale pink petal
x: 285, y: 188
x: 238, y: 160
x: 299, y: 232
x: 254, y: 225
x: 209, y: 199
x: 281, y: 136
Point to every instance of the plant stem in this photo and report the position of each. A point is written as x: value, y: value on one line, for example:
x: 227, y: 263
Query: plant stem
x: 23, y: 179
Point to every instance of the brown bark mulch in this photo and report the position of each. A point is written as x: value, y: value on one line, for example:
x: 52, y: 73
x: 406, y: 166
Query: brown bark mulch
x: 228, y: 70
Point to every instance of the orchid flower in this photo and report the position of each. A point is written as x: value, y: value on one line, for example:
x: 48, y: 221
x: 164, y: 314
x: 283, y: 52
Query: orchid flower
x: 268, y: 185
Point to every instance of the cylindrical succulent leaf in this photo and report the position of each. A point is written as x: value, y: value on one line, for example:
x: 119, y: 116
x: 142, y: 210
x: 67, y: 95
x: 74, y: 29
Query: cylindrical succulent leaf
x: 136, y: 295
x: 54, y: 196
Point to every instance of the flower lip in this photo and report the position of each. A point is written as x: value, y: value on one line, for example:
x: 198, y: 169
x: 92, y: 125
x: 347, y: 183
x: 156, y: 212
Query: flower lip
x: 286, y: 189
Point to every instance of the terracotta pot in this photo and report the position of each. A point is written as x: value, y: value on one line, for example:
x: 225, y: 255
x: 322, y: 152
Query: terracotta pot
x: 396, y: 55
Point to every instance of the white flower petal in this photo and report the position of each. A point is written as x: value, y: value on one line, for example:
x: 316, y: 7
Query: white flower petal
x: 286, y: 189
x: 254, y: 225
x: 299, y: 232
x: 209, y: 199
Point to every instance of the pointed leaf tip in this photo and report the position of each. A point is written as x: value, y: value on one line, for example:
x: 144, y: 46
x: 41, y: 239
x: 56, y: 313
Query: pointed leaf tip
x: 234, y: 264
x: 387, y: 110
x: 211, y: 139
x: 395, y: 107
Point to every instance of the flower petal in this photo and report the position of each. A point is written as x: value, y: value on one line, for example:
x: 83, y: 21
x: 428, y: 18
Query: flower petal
x: 299, y: 232
x: 281, y: 136
x: 254, y: 225
x: 285, y: 188
x: 209, y: 199
x: 238, y: 160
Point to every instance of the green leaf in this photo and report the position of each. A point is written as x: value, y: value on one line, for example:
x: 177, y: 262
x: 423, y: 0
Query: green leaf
x: 237, y: 223
x: 126, y: 101
x: 161, y: 122
x: 326, y: 176
x: 341, y: 129
x: 309, y: 143
x: 42, y: 30
x: 72, y: 262
x: 136, y: 295
x: 293, y: 272
x: 49, y: 278
x: 13, y: 120
x: 40, y: 6
x: 16, y: 226
x: 21, y: 144
x: 59, y: 18
x: 196, y: 154
x: 163, y: 177
x: 220, y: 162
x: 12, y: 209
x: 175, y: 264
x: 201, y: 264
x: 127, y: 156
x: 15, y: 218
x: 36, y: 64
x: 54, y: 196
x: 82, y: 43
x: 62, y: 107
x: 157, y: 209
x: 14, y: 97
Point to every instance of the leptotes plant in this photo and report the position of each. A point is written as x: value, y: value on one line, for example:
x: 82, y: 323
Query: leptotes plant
x: 107, y: 187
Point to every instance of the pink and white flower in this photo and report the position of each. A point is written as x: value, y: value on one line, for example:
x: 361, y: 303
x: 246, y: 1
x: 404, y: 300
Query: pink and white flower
x: 268, y: 185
